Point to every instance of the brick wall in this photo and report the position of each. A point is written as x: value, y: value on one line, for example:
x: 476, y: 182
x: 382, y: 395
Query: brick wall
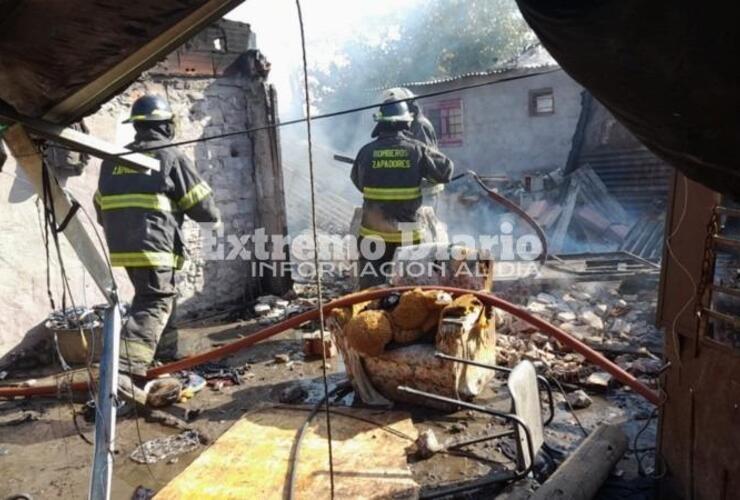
x: 244, y: 172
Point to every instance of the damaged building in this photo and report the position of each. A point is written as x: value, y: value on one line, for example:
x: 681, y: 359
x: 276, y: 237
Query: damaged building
x: 216, y: 83
x: 531, y: 131
x: 609, y: 372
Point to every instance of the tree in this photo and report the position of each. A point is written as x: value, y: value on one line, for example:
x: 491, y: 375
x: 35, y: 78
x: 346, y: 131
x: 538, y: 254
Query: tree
x: 439, y: 38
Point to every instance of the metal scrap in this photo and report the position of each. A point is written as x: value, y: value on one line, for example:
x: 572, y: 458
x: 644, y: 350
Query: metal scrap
x: 159, y: 449
x: 219, y: 372
x: 75, y: 317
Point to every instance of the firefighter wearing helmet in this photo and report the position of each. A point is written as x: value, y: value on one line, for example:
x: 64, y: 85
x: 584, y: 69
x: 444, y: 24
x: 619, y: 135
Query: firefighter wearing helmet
x: 421, y: 128
x: 142, y: 212
x: 389, y: 172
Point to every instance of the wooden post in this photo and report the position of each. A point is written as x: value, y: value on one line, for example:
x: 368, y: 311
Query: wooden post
x: 30, y: 160
x: 583, y: 473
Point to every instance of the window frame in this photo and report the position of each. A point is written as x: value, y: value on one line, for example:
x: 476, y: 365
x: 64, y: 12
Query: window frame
x: 444, y: 108
x: 535, y: 94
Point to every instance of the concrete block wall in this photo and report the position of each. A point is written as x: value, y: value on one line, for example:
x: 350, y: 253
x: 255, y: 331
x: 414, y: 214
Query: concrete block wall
x: 205, y: 107
x: 500, y: 136
x: 234, y: 167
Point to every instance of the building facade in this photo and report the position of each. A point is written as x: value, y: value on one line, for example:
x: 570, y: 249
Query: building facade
x: 513, y: 120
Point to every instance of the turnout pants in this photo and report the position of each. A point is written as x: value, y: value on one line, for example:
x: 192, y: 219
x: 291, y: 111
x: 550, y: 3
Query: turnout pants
x: 373, y: 272
x: 150, y: 318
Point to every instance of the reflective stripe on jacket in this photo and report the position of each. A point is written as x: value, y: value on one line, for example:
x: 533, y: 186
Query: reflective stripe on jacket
x: 391, y: 194
x: 142, y: 211
x: 411, y: 237
x: 389, y: 172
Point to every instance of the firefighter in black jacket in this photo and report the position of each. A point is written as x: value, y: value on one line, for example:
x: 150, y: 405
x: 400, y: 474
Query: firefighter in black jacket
x: 389, y: 173
x: 420, y: 129
x: 142, y: 213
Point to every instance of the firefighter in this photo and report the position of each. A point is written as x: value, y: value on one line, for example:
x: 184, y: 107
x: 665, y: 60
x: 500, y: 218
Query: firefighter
x: 389, y: 173
x: 142, y: 213
x: 421, y: 128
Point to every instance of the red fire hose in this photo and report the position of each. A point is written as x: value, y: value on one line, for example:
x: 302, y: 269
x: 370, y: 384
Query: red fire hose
x: 295, y: 321
x: 513, y: 207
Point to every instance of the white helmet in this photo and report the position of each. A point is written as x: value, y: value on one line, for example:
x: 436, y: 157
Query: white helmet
x: 397, y: 93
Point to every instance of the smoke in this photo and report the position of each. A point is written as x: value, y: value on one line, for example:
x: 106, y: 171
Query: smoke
x: 277, y: 36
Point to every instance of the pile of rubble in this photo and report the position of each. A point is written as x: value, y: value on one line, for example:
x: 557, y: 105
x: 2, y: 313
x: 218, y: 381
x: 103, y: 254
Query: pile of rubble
x: 270, y: 309
x: 616, y: 325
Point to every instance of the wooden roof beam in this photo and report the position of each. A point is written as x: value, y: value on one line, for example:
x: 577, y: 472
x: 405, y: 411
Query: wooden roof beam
x: 86, y: 99
x: 82, y: 142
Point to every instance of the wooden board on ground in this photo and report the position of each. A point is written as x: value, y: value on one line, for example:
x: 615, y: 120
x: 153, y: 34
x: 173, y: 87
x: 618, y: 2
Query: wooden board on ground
x: 252, y: 459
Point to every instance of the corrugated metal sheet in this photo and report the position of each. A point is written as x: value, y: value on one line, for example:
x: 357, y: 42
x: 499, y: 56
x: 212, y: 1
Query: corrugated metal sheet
x: 334, y: 211
x: 635, y: 177
x: 531, y: 61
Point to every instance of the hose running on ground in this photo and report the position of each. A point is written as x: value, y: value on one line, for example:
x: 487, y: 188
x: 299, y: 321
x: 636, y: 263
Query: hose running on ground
x: 489, y: 299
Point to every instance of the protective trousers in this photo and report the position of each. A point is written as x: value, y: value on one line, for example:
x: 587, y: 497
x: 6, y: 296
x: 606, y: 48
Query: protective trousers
x: 150, y: 318
x: 375, y: 271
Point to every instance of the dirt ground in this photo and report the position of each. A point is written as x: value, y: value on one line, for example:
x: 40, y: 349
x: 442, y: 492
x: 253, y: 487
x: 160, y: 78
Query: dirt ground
x: 42, y: 454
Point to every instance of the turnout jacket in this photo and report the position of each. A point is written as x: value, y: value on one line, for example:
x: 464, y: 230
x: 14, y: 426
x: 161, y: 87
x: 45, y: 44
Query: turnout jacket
x: 389, y: 173
x: 422, y: 130
x: 142, y: 211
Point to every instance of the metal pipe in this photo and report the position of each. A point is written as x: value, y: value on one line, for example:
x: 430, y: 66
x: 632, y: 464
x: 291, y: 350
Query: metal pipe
x: 511, y: 476
x: 471, y: 362
x: 105, y: 418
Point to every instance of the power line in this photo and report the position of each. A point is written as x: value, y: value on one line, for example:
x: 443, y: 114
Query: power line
x: 334, y: 114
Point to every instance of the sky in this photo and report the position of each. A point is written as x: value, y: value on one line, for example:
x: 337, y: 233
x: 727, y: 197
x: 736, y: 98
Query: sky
x: 328, y: 23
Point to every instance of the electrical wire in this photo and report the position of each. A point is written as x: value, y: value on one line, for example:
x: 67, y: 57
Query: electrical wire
x: 314, y: 227
x: 92, y: 386
x: 114, y: 291
x: 136, y: 414
x: 640, y: 453
x: 333, y: 114
x: 296, y: 448
x: 50, y: 225
x: 669, y: 247
x: 569, y: 406
x: 91, y: 381
x: 334, y: 411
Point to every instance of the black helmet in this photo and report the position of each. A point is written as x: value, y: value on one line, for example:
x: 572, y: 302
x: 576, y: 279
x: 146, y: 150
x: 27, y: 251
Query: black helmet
x: 394, y: 112
x: 150, y: 108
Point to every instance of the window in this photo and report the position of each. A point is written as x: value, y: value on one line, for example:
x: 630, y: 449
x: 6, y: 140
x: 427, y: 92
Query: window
x: 447, y: 118
x: 541, y: 102
x: 723, y: 314
x: 219, y: 44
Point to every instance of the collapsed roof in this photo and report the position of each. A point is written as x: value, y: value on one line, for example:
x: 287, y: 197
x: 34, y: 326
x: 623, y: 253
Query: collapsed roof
x: 665, y: 70
x: 60, y: 60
